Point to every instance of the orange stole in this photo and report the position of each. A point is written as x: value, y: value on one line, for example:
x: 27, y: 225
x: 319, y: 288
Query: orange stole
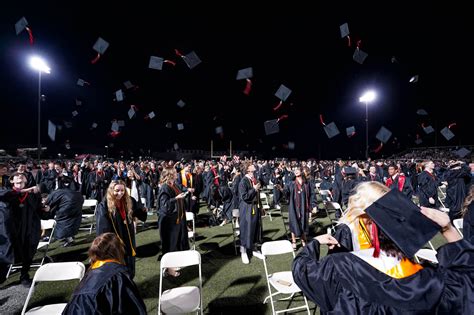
x: 184, y: 180
x: 363, y: 236
x: 404, y: 269
x: 100, y: 263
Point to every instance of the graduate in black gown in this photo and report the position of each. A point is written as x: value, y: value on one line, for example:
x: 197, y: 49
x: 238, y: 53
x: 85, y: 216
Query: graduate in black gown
x: 468, y: 216
x: 22, y: 214
x: 301, y: 197
x: 428, y: 186
x: 457, y: 176
x: 115, y: 214
x: 250, y: 210
x: 66, y: 208
x: 277, y: 181
x: 383, y: 279
x: 172, y: 215
x: 107, y: 287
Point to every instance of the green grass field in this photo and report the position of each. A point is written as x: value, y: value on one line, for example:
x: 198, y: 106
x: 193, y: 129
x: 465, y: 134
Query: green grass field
x: 229, y: 287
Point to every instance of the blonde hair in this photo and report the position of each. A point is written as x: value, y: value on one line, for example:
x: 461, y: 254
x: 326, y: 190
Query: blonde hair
x: 167, y: 175
x: 112, y: 202
x: 467, y: 202
x: 365, y: 194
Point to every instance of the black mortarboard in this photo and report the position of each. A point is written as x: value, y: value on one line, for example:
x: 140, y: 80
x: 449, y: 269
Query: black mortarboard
x: 271, y: 127
x: 181, y: 104
x: 414, y: 79
x: 350, y: 131
x: 156, y: 63
x: 51, y: 130
x: 447, y: 133
x: 344, y: 28
x: 350, y: 170
x: 21, y: 25
x: 331, y: 130
x: 462, y: 152
x: 192, y: 59
x: 383, y: 134
x: 246, y: 73
x: 422, y: 112
x: 119, y: 95
x: 283, y: 92
x: 428, y: 129
x: 169, y: 125
x: 100, y: 45
x: 401, y: 221
x: 418, y: 141
x: 359, y: 56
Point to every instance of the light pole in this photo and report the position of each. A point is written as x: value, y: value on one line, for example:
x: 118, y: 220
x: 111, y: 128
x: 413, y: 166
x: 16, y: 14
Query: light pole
x: 39, y: 65
x: 366, y: 98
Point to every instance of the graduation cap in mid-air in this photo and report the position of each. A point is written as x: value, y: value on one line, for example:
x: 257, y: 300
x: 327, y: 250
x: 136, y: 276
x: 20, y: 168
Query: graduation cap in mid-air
x: 383, y: 134
x: 331, y: 130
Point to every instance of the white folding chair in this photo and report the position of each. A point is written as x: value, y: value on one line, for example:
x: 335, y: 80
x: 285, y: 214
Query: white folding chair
x: 426, y: 254
x: 185, y: 299
x: 282, y: 282
x: 266, y: 205
x: 458, y: 224
x: 45, y: 225
x: 191, y: 234
x: 53, y: 272
x: 89, y: 218
x: 235, y: 229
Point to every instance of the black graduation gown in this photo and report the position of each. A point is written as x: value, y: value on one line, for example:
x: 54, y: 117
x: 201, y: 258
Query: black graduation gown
x: 105, y: 223
x: 468, y: 224
x: 66, y: 208
x: 347, y: 190
x: 106, y: 290
x: 298, y: 217
x: 226, y: 194
x: 277, y: 186
x: 235, y: 192
x: 49, y: 180
x: 343, y: 283
x: 6, y: 246
x: 457, y: 189
x: 428, y: 187
x: 250, y: 220
x: 173, y: 230
x: 96, y: 186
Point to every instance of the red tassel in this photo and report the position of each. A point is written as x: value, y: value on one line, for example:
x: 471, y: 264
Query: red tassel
x: 114, y: 134
x: 30, y: 33
x: 178, y: 53
x: 282, y: 117
x: 348, y: 41
x: 352, y: 134
x: 379, y: 148
x: 375, y: 240
x: 248, y: 87
x: 321, y: 119
x: 278, y: 106
x: 451, y: 125
x: 423, y: 125
x: 358, y: 43
x: 171, y: 62
x: 94, y: 61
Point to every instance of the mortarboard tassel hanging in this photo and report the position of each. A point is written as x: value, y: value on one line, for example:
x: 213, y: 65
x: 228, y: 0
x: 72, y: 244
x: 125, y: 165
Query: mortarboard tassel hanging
x: 379, y: 148
x: 94, y: 61
x: 321, y: 119
x: 282, y: 117
x: 278, y: 105
x: 375, y: 240
x: 348, y: 41
x: 248, y: 87
x: 30, y: 34
x: 352, y: 134
x: 171, y: 62
x: 114, y: 134
x: 451, y: 125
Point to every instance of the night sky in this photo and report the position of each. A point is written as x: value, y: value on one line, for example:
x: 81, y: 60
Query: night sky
x: 295, y: 45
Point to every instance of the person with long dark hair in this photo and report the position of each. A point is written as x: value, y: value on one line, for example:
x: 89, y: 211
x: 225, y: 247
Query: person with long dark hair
x: 115, y: 214
x: 107, y: 287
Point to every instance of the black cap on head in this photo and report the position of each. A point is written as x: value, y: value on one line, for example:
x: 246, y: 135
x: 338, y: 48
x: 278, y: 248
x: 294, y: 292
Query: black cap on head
x: 401, y: 221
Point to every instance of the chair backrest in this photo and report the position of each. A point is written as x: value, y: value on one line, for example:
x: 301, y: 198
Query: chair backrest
x: 189, y: 216
x: 333, y: 205
x: 277, y: 248
x: 60, y: 271
x: 48, y: 224
x: 56, y: 272
x: 89, y: 203
x: 180, y: 259
x: 263, y: 198
x: 458, y: 224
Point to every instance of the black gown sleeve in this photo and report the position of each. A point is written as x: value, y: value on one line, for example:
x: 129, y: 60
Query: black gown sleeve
x: 138, y: 211
x: 103, y: 224
x: 468, y: 227
x: 316, y: 278
x: 343, y: 235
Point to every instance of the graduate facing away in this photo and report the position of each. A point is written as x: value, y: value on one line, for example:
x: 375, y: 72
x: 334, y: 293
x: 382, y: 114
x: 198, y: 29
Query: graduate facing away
x: 379, y: 276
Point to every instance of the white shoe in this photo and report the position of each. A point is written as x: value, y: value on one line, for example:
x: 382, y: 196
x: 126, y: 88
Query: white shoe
x: 258, y: 254
x: 277, y: 207
x: 245, y: 258
x: 223, y: 223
